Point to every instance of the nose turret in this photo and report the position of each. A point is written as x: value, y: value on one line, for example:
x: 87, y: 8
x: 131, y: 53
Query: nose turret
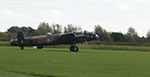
x: 95, y: 36
x: 90, y: 35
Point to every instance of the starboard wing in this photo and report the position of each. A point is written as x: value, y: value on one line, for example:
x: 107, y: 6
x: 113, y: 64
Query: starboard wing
x: 70, y: 38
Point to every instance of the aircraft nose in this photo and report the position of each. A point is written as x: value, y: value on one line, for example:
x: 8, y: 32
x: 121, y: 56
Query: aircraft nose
x: 97, y: 36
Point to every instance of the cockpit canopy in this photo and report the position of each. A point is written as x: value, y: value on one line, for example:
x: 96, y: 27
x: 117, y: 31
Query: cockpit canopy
x: 78, y: 32
x: 49, y: 33
x: 82, y: 32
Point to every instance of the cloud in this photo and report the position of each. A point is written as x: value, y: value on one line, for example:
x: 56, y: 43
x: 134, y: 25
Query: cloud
x: 121, y: 6
x: 118, y: 4
x: 144, y: 1
x: 110, y: 1
x: 28, y: 17
x: 9, y: 12
x: 91, y: 1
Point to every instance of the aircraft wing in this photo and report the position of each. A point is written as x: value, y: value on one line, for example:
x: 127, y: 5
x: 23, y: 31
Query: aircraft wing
x: 69, y: 38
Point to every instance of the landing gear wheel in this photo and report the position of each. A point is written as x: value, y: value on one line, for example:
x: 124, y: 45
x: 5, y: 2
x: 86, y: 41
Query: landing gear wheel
x: 39, y: 46
x: 74, y: 49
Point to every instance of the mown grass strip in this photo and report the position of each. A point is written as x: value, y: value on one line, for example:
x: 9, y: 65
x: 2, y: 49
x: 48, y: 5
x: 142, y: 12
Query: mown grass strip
x: 60, y: 62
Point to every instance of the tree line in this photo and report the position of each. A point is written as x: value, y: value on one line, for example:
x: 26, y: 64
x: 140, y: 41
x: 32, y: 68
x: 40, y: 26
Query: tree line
x: 42, y: 29
x: 104, y: 36
x: 130, y: 37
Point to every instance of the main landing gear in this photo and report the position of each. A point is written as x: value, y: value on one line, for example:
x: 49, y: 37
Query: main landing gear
x: 74, y: 48
x: 39, y: 46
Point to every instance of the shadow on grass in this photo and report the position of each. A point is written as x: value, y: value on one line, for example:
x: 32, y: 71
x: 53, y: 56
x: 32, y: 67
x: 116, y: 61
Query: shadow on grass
x: 56, y: 50
x: 41, y: 50
x: 68, y: 51
x: 53, y: 50
x: 32, y: 74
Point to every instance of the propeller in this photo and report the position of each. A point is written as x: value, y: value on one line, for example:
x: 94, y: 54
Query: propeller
x: 85, y: 32
x: 20, y: 38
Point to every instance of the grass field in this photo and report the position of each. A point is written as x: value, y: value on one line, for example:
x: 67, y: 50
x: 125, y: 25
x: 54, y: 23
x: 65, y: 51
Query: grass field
x: 56, y: 62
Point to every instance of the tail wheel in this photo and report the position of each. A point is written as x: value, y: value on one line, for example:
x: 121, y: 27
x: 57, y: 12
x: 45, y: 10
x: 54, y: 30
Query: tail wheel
x: 74, y: 49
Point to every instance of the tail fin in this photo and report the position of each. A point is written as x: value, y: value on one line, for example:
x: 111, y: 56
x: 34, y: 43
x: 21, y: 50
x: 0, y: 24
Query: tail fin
x: 20, y: 38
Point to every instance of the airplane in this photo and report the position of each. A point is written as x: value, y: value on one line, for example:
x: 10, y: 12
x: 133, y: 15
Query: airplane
x: 71, y: 38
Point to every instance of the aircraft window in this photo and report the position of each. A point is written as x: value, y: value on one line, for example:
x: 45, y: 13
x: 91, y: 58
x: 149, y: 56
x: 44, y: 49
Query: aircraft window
x: 49, y: 33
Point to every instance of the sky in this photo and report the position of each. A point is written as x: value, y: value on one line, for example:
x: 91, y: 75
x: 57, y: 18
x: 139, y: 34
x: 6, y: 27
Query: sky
x: 112, y: 15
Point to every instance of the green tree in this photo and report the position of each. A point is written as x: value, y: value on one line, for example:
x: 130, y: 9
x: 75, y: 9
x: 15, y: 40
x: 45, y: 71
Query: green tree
x: 102, y: 33
x: 14, y: 29
x: 71, y: 28
x: 129, y: 38
x: 148, y: 35
x: 133, y: 34
x: 44, y: 28
x: 118, y: 37
x: 56, y: 28
x: 144, y: 40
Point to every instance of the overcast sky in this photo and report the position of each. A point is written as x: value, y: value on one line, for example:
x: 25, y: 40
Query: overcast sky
x: 113, y: 15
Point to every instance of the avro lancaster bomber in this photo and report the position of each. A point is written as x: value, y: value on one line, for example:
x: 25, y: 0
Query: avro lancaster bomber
x: 71, y: 39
